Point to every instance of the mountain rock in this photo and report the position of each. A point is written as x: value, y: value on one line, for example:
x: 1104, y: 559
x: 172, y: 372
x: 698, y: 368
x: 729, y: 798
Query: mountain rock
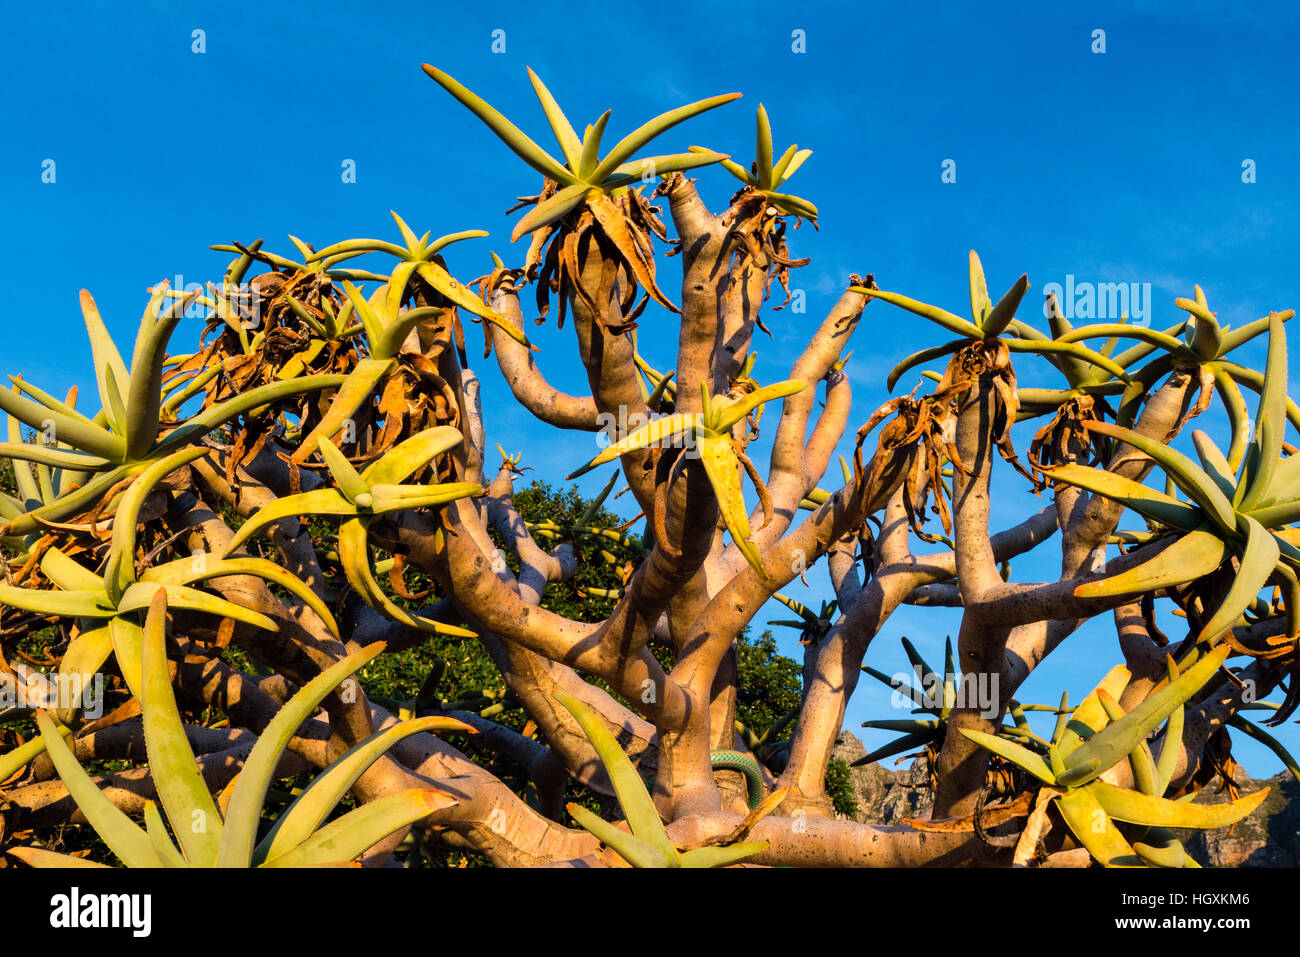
x: 885, y: 796
x: 1270, y: 837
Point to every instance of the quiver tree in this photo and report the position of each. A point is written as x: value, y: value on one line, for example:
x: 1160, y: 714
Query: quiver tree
x: 272, y: 491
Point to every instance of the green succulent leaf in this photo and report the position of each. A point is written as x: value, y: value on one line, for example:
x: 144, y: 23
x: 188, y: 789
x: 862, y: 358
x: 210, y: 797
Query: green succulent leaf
x: 138, y: 596
x: 551, y: 210
x: 1090, y: 717
x: 1000, y: 316
x: 980, y: 304
x: 1186, y: 474
x: 652, y: 433
x: 144, y: 397
x: 39, y: 857
x: 302, y: 817
x: 351, y: 835
x: 1131, y: 807
x: 53, y: 457
x: 61, y: 603
x: 1095, y: 830
x: 11, y: 762
x: 1249, y: 728
x: 591, y: 146
x: 201, y: 568
x: 120, y: 572
x: 1270, y: 422
x: 1171, y: 748
x: 245, y: 808
x: 511, y: 135
x: 1112, y: 743
x: 920, y: 358
x: 409, y: 456
x: 1161, y: 848
x: 570, y: 145
x: 723, y: 856
x: 644, y: 133
x: 321, y: 501
x: 963, y: 327
x: 176, y: 777
x: 723, y: 469
x: 218, y: 415
x: 352, y: 394
x: 1020, y: 756
x: 632, y: 849
x: 156, y: 828
x: 905, y: 743
x: 110, y: 370
x: 1186, y: 559
x: 642, y: 817
x: 1258, y: 560
x: 1147, y: 502
x: 90, y: 439
x: 1240, y: 336
x: 122, y: 835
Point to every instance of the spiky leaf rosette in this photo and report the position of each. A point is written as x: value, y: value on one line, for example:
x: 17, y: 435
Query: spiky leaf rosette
x: 1097, y: 736
x: 1242, y: 515
x: 588, y: 198
x: 722, y: 457
x: 767, y: 174
x: 208, y: 837
x: 357, y: 498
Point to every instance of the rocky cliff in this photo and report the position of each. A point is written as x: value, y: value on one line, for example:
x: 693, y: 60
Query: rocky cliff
x: 885, y: 794
x: 1268, y: 838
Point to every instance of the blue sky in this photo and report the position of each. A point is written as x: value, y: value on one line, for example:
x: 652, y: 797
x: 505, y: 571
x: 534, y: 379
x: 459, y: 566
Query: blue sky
x: 1122, y: 166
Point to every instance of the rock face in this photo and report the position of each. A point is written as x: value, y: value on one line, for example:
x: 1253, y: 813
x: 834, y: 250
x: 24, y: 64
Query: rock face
x: 1268, y: 838
x: 885, y: 796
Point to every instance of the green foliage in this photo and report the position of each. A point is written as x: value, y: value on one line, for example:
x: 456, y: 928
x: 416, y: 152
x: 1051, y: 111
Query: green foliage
x: 541, y: 502
x: 7, y: 483
x: 770, y: 683
x: 839, y: 788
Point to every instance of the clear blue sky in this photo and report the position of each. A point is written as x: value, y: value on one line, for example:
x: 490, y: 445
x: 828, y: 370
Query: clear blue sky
x: 1122, y: 166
